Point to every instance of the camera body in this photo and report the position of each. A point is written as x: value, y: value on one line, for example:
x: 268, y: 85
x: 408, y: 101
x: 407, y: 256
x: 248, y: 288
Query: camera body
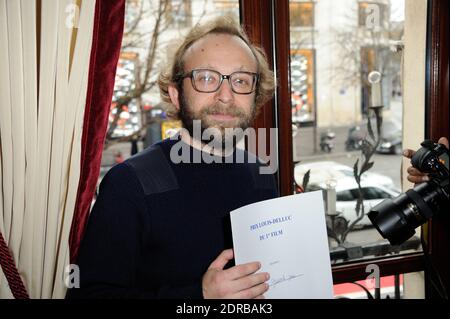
x: 432, y: 158
x: 396, y: 219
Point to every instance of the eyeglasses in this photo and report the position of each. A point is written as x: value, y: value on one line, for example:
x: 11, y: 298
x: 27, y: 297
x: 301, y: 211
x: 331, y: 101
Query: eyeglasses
x: 208, y: 81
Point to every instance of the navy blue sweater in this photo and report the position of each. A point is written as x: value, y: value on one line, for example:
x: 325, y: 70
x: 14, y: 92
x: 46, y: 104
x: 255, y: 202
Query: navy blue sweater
x: 156, y: 226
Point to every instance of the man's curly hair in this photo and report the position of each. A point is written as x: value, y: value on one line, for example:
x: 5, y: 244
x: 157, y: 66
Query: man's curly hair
x: 222, y: 25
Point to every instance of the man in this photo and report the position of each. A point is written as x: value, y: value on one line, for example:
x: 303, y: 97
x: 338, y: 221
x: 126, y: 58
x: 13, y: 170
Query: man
x: 160, y: 227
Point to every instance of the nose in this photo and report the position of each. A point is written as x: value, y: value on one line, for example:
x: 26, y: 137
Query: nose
x: 225, y: 94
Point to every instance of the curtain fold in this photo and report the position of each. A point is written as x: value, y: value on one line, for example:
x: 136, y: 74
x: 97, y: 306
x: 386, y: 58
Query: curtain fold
x: 6, y: 139
x: 108, y: 31
x: 29, y: 28
x: 51, y: 52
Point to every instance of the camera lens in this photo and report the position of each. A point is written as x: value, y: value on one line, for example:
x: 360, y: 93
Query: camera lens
x: 390, y: 218
x: 396, y: 219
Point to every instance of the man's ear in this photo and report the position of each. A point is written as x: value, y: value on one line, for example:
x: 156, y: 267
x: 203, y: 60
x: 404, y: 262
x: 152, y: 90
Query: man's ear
x: 174, y: 95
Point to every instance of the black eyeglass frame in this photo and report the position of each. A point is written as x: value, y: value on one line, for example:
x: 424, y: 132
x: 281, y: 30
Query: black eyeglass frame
x: 191, y: 75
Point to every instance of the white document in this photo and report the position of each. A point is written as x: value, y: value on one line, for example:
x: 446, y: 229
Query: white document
x: 288, y: 236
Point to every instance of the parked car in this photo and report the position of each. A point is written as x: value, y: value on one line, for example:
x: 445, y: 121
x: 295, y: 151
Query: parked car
x: 375, y: 187
x: 347, y: 194
x: 323, y: 171
x: 390, y: 141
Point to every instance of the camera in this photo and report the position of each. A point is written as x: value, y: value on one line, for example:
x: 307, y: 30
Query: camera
x: 396, y: 219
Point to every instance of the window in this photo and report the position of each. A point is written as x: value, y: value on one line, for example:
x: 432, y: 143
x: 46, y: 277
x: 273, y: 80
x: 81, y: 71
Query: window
x: 405, y: 17
x: 301, y: 14
x: 331, y: 98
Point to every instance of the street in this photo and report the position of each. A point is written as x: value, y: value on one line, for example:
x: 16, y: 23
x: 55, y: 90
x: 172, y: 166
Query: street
x: 385, y: 164
x: 304, y: 152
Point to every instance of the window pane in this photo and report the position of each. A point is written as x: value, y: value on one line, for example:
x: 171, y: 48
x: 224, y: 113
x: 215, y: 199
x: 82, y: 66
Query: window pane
x: 331, y: 102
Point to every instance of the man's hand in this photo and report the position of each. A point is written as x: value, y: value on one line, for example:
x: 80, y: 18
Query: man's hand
x: 414, y: 175
x: 238, y: 282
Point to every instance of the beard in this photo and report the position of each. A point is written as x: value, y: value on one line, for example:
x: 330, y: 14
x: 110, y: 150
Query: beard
x: 220, y: 134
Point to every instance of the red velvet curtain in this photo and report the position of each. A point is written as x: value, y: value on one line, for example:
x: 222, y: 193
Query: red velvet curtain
x: 106, y: 43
